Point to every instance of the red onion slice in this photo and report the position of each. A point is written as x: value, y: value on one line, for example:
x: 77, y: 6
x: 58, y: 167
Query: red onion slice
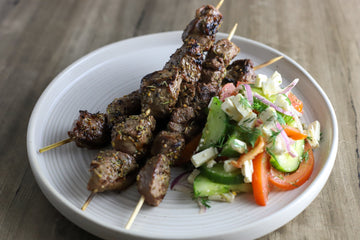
x: 249, y: 94
x: 277, y: 108
x: 287, y: 140
x: 179, y: 179
x: 289, y: 87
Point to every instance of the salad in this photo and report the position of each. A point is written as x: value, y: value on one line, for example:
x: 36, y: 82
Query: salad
x: 253, y: 141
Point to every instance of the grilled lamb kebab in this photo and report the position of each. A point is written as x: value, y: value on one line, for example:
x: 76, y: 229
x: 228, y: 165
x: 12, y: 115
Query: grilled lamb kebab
x: 112, y: 170
x: 240, y: 71
x: 187, y: 120
x: 90, y: 130
x: 122, y: 107
x: 153, y: 179
x: 174, y: 86
x: 134, y: 135
x: 213, y: 72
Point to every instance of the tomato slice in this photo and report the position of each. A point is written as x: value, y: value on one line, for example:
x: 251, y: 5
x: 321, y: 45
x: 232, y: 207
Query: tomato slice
x: 297, y: 104
x: 227, y: 91
x: 260, y: 178
x: 286, y: 181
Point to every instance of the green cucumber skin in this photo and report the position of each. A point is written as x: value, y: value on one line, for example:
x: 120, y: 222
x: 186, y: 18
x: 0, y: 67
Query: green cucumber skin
x: 286, y: 163
x: 217, y: 174
x: 227, y: 150
x: 216, y: 125
x: 204, y: 187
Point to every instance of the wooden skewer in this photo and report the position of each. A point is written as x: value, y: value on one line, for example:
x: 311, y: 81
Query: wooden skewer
x: 271, y: 61
x: 54, y: 145
x: 135, y: 212
x: 232, y: 32
x: 219, y: 4
x: 88, y: 200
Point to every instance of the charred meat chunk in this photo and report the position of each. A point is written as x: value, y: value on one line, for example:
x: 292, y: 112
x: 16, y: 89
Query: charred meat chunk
x: 240, y: 71
x: 188, y: 130
x: 153, y: 179
x: 188, y: 59
x: 134, y: 134
x: 90, y: 130
x: 189, y: 65
x: 213, y: 72
x: 168, y: 143
x: 112, y: 171
x: 206, y: 22
x: 182, y: 115
x: 124, y: 106
x: 183, y: 121
x: 160, y: 91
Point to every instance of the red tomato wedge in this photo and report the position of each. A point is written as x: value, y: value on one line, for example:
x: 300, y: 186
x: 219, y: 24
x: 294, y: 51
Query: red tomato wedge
x: 294, y: 133
x: 295, y: 102
x: 227, y: 91
x: 286, y: 181
x: 260, y: 178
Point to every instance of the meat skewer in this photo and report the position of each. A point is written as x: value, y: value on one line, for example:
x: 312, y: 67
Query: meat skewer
x: 158, y: 95
x: 89, y: 128
x: 157, y: 170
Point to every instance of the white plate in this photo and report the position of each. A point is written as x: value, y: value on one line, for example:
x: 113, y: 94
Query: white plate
x: 93, y: 81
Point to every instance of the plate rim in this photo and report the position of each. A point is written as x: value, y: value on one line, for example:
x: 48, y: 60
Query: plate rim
x: 63, y: 205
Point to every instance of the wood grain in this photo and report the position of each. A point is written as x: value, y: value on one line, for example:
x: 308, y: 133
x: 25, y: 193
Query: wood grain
x: 40, y: 38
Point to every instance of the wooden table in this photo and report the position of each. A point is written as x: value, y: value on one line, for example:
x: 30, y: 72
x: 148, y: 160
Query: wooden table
x: 38, y: 39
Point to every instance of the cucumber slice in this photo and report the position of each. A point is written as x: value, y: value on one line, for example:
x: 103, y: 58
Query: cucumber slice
x: 217, y: 174
x: 227, y: 150
x: 204, y: 187
x: 286, y: 163
x: 216, y: 126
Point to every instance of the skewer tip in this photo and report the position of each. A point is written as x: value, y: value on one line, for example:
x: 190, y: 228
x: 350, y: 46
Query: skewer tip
x: 232, y: 32
x: 271, y: 61
x: 88, y: 200
x: 55, y: 145
x: 135, y: 212
x: 219, y: 4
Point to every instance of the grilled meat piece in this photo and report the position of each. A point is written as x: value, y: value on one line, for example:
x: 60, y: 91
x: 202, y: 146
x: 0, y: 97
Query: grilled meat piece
x: 90, y: 130
x: 206, y: 22
x: 188, y: 59
x: 240, y: 71
x: 189, y: 62
x: 122, y: 107
x: 213, y: 72
x: 112, y: 170
x: 134, y: 134
x: 153, y: 179
x: 183, y: 121
x: 159, y: 92
x: 182, y: 115
x: 168, y: 143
